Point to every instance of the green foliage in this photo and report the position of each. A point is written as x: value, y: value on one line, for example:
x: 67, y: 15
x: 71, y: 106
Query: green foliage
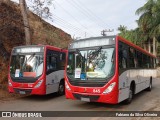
x: 131, y: 35
x: 148, y: 24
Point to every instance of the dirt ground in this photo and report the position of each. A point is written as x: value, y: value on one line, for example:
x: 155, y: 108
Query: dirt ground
x: 5, y: 95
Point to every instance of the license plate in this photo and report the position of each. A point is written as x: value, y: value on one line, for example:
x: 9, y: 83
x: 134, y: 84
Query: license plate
x: 85, y: 99
x: 22, y: 92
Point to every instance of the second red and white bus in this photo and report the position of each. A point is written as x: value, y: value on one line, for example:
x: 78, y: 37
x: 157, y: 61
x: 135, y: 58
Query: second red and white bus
x: 107, y: 69
x: 37, y: 69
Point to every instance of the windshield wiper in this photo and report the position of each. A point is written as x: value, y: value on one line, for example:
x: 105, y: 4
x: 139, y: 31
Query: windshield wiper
x: 78, y: 52
x: 112, y: 60
x: 83, y: 57
x: 31, y: 57
x: 92, y: 55
x: 28, y: 60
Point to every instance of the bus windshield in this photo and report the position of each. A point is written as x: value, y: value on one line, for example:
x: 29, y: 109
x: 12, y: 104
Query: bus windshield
x: 28, y: 65
x: 91, y: 64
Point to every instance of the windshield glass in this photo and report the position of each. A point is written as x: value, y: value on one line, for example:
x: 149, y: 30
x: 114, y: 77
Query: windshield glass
x: 29, y: 65
x: 91, y: 64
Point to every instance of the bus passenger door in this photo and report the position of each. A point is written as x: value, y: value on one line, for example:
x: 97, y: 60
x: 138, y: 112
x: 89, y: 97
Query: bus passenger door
x: 124, y: 75
x: 51, y: 68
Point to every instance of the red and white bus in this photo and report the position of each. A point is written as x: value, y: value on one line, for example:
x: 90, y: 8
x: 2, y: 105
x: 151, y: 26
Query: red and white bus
x: 37, y: 69
x: 107, y: 69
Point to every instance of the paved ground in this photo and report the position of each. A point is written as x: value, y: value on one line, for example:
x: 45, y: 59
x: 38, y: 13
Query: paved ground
x: 144, y: 101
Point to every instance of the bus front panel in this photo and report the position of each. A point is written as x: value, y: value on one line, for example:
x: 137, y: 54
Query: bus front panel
x: 91, y: 70
x: 26, y: 70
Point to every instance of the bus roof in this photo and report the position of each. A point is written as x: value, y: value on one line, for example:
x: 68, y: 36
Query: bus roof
x: 99, y: 37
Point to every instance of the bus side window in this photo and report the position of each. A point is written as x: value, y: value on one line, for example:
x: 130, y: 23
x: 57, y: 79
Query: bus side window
x: 51, y: 62
x: 154, y: 62
x: 150, y: 62
x: 62, y: 60
x: 123, y: 55
x: 124, y: 59
x: 132, y: 58
x: 120, y: 56
x: 140, y: 58
x: 136, y: 62
x: 145, y: 61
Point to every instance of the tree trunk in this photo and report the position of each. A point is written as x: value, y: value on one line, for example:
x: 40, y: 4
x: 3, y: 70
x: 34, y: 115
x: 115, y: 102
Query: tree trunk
x: 144, y: 46
x: 154, y: 46
x: 149, y: 46
x: 25, y: 21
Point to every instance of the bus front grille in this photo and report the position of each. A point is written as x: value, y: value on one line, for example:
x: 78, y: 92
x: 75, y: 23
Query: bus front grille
x: 91, y: 97
x: 23, y: 91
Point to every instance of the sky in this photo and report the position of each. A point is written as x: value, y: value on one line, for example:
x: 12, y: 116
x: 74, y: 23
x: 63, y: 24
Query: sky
x: 87, y: 18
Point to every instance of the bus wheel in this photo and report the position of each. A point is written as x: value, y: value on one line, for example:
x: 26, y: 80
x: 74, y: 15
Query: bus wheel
x: 130, y: 97
x: 150, y: 86
x: 61, y: 89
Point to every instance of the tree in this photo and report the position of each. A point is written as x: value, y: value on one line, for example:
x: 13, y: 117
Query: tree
x: 148, y: 31
x: 122, y: 28
x: 128, y: 34
x: 133, y: 35
x: 23, y: 8
x: 148, y: 22
x: 40, y: 7
x: 155, y: 33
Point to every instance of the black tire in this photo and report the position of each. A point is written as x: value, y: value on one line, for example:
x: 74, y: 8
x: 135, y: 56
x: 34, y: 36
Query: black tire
x: 150, y: 86
x: 130, y: 97
x: 61, y: 88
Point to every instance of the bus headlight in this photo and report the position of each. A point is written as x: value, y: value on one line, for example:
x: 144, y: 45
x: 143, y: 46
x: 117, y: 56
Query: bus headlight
x: 67, y: 86
x: 110, y: 88
x: 9, y: 83
x: 38, y: 84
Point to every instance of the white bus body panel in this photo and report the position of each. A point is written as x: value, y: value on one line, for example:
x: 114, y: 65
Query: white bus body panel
x: 140, y: 77
x: 53, y: 80
x: 123, y: 86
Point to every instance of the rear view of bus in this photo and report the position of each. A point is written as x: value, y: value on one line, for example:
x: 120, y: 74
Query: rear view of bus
x: 36, y: 69
x: 91, y: 73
